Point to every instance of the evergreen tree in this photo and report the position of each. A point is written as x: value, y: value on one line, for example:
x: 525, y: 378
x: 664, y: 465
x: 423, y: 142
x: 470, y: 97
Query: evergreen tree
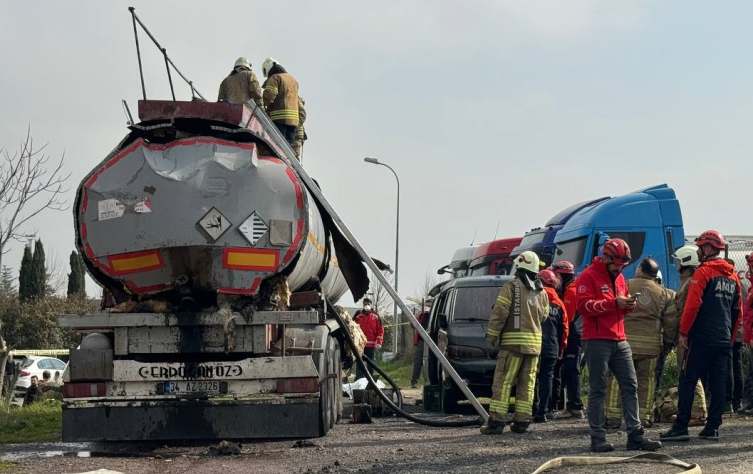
x: 25, y: 292
x: 76, y: 278
x: 38, y: 271
x: 7, y: 283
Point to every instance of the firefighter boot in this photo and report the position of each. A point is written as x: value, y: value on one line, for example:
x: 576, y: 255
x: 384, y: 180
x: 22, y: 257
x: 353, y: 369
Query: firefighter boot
x: 519, y: 427
x: 637, y: 442
x: 601, y: 445
x: 493, y: 426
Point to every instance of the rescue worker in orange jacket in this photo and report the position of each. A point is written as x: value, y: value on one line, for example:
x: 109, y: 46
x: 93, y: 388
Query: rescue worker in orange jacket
x: 748, y: 323
x: 371, y: 325
x: 569, y: 366
x: 515, y: 328
x: 604, y: 301
x: 553, y: 342
x: 241, y: 85
x: 655, y: 313
x: 281, y: 98
x: 707, y: 329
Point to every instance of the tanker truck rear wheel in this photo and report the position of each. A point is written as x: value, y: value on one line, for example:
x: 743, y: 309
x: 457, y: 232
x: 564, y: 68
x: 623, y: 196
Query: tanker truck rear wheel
x: 330, y: 393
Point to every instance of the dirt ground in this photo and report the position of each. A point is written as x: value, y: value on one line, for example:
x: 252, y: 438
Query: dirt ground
x: 393, y: 445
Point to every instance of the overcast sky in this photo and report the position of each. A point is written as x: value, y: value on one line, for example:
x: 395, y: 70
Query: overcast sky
x: 490, y: 111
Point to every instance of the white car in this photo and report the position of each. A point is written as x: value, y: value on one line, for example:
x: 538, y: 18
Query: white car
x: 35, y: 365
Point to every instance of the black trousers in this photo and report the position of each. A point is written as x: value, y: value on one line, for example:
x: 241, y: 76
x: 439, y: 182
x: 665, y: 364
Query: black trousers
x: 571, y: 367
x: 557, y: 400
x: 703, y: 361
x: 287, y: 131
x: 735, y: 375
x: 544, y: 383
x: 368, y: 352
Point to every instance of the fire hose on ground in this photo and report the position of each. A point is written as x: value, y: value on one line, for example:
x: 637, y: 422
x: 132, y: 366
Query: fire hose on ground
x: 362, y: 362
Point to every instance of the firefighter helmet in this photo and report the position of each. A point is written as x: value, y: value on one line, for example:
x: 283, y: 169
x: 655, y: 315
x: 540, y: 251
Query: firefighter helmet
x: 242, y: 62
x: 549, y: 278
x: 564, y: 267
x: 267, y: 66
x: 659, y: 277
x: 711, y: 237
x: 618, y: 250
x: 528, y: 261
x: 688, y: 256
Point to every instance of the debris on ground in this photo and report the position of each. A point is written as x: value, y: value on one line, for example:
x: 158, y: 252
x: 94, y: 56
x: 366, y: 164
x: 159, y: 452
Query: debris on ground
x: 225, y: 448
x: 304, y: 443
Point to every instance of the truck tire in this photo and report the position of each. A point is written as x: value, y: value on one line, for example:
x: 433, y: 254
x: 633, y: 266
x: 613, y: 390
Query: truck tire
x: 330, y: 395
x: 338, y: 389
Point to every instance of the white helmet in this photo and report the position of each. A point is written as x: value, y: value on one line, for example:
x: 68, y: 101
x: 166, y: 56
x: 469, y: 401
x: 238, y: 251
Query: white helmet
x: 528, y: 261
x: 242, y: 62
x: 687, y: 256
x: 659, y: 278
x: 268, y: 64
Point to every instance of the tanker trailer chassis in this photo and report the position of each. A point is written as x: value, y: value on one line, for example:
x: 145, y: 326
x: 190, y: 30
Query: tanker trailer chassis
x: 170, y: 376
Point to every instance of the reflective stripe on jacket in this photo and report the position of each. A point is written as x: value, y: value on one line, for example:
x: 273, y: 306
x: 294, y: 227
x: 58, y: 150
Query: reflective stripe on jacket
x: 597, y: 304
x: 655, y: 313
x: 281, y: 98
x: 519, y: 330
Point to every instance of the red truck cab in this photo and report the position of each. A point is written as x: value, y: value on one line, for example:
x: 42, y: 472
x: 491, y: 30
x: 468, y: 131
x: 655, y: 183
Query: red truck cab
x: 493, y: 258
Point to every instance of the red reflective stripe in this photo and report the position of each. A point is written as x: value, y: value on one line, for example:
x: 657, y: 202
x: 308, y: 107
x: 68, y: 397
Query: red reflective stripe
x: 296, y: 241
x: 298, y: 192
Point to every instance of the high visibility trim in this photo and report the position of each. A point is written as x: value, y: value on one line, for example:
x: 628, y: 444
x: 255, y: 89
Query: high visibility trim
x: 492, y: 332
x: 504, y: 301
x: 502, y: 406
x: 271, y: 89
x: 283, y: 114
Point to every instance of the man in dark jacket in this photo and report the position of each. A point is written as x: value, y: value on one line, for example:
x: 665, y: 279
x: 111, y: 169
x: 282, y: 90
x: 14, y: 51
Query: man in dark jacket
x: 32, y: 392
x: 418, y: 343
x: 569, y: 366
x: 603, y: 301
x: 707, y: 329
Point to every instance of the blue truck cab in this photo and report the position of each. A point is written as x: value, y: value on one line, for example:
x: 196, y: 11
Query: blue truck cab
x: 649, y: 220
x: 541, y: 239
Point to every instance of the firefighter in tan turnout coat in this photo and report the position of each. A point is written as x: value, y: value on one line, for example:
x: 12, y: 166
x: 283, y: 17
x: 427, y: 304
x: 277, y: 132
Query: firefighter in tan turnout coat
x: 241, y: 85
x: 515, y: 327
x: 655, y: 314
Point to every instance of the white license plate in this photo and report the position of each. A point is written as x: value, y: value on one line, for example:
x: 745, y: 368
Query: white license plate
x: 193, y: 386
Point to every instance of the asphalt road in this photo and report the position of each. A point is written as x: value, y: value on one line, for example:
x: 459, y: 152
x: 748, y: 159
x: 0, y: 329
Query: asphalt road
x: 393, y: 445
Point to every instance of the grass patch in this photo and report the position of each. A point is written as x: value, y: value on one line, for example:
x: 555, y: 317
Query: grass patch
x: 399, y: 370
x: 8, y: 467
x: 39, y: 422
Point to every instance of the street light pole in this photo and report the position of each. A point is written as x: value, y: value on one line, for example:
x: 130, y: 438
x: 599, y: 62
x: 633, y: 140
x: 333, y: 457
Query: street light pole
x: 375, y: 161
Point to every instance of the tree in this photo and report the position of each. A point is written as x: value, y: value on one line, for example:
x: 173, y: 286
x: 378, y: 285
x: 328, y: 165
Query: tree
x: 27, y: 187
x: 76, y: 278
x: 25, y: 291
x: 7, y: 282
x: 38, y: 271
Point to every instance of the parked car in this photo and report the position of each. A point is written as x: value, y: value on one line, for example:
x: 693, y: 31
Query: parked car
x: 34, y: 365
x: 457, y: 324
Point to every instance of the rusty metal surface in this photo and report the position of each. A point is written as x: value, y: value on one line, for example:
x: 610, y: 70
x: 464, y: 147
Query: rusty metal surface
x: 191, y: 420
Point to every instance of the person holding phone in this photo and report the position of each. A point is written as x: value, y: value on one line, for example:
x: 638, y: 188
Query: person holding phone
x: 603, y: 301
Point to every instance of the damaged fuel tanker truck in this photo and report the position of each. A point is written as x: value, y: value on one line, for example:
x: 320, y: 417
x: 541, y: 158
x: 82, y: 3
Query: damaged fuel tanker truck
x: 219, y: 268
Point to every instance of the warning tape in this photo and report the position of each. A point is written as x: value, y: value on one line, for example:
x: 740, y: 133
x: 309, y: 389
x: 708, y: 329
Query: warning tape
x: 393, y: 325
x: 568, y: 461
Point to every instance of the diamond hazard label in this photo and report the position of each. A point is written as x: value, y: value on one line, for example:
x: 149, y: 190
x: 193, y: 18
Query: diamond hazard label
x: 214, y: 224
x: 253, y: 228
x: 142, y: 207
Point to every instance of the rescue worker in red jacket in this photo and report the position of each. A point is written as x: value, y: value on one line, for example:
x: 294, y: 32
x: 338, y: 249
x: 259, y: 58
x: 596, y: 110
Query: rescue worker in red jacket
x: 553, y: 342
x: 603, y: 301
x: 568, y: 368
x: 748, y: 322
x: 707, y: 329
x: 371, y: 325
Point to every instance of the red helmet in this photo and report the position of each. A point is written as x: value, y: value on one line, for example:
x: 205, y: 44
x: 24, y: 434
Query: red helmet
x: 618, y: 250
x: 711, y: 237
x: 749, y: 259
x: 564, y: 267
x: 548, y: 278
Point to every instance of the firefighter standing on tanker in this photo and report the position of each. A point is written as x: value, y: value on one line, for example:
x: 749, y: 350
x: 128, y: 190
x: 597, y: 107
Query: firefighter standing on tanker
x: 603, y: 301
x: 371, y: 325
x: 707, y: 329
x: 569, y: 367
x: 553, y: 341
x: 241, y: 85
x: 281, y: 98
x: 515, y: 327
x: 655, y: 312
